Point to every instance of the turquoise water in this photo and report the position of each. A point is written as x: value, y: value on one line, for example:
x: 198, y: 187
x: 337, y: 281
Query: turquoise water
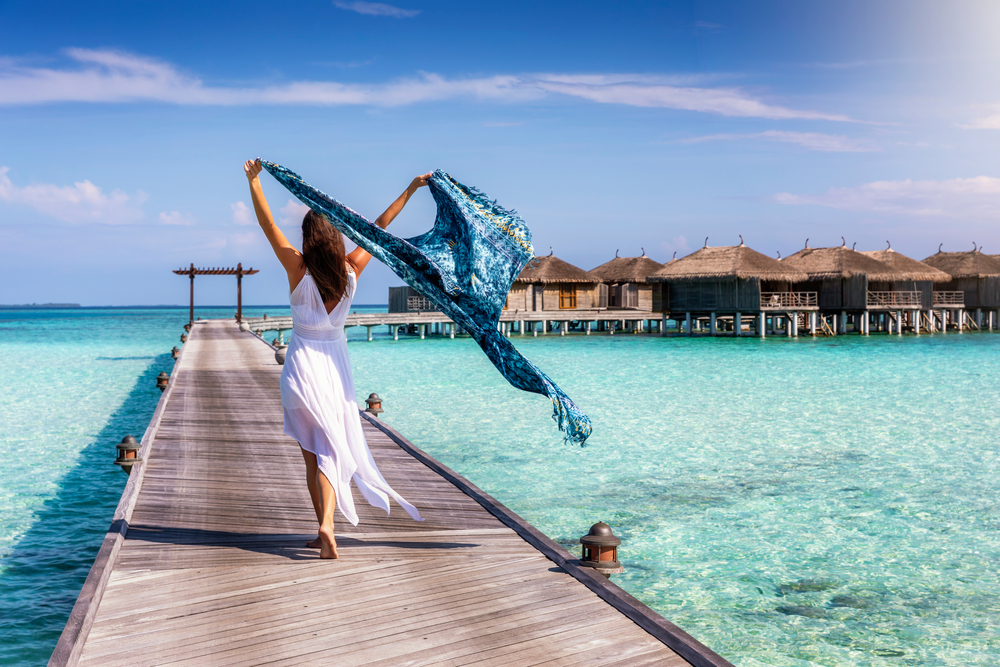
x: 829, y: 502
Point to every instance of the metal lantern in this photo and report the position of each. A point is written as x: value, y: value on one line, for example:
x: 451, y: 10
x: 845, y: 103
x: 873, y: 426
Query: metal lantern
x: 187, y: 327
x: 600, y: 550
x: 374, y: 405
x: 184, y: 338
x: 162, y: 380
x: 128, y: 453
x: 175, y: 352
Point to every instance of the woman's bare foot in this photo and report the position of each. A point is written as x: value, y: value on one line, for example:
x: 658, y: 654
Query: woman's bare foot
x: 315, y: 543
x: 329, y: 543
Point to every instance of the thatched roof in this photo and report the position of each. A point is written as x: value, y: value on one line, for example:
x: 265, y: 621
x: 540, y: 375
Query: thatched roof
x: 970, y: 264
x: 910, y: 268
x: 840, y: 262
x: 726, y: 262
x: 551, y: 269
x: 626, y: 269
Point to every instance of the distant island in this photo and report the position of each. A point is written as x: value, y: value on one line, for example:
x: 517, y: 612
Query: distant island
x: 26, y: 306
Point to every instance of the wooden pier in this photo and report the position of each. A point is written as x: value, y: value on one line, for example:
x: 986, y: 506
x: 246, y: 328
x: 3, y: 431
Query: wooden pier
x: 205, y: 562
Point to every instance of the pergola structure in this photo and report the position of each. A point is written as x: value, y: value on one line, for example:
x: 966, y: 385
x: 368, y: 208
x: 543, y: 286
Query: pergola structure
x: 239, y: 272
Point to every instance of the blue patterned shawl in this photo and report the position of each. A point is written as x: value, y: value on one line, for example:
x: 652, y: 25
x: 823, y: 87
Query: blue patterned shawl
x: 465, y: 264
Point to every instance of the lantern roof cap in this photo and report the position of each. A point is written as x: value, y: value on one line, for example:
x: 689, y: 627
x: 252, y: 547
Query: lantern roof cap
x: 600, y: 535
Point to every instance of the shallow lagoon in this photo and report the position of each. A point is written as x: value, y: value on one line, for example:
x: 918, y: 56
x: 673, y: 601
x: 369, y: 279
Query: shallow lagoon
x: 827, y: 502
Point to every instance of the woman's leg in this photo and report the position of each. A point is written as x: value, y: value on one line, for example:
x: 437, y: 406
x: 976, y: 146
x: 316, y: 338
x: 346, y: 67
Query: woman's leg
x: 329, y: 498
x: 312, y: 467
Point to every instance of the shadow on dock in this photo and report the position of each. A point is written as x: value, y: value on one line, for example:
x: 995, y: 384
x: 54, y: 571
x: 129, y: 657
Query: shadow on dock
x: 42, y: 575
x: 288, y: 545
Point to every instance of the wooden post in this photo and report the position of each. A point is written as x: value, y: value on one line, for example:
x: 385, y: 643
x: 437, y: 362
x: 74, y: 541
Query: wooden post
x: 761, y: 325
x: 899, y: 323
x: 812, y: 323
x: 711, y: 323
x: 738, y: 324
x: 395, y: 331
x: 239, y: 292
x: 663, y: 324
x: 191, y: 315
x: 422, y: 327
x: 959, y: 315
x: 687, y: 323
x: 369, y: 327
x: 562, y: 328
x: 588, y: 328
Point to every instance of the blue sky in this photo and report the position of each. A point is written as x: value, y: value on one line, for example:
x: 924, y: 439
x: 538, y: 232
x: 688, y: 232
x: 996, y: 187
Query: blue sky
x: 123, y: 128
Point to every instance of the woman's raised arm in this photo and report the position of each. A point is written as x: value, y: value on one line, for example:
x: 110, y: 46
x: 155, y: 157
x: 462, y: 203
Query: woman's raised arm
x: 359, y: 257
x: 290, y: 258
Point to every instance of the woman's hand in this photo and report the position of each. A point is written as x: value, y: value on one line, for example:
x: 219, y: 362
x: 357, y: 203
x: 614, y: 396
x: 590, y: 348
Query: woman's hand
x: 421, y: 181
x: 252, y: 169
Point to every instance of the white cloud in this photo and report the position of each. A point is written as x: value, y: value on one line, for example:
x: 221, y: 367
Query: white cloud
x: 678, y: 245
x: 115, y: 77
x: 247, y: 238
x: 177, y: 218
x: 830, y: 143
x: 292, y: 213
x: 242, y: 214
x: 377, y: 9
x: 977, y: 197
x: 984, y: 123
x: 81, y: 202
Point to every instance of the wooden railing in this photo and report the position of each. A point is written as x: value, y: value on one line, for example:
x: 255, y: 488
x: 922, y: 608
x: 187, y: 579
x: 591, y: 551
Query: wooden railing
x: 786, y: 300
x: 893, y: 299
x: 949, y: 299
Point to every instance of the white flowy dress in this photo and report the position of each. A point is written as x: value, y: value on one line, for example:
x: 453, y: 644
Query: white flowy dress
x: 317, y: 397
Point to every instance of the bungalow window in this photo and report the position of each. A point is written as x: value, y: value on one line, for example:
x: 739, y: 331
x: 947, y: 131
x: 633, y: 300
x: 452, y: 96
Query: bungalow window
x: 567, y: 295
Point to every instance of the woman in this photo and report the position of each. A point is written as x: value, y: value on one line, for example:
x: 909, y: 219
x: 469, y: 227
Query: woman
x: 317, y: 388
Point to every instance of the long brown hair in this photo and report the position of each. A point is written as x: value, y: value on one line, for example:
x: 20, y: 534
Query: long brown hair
x: 324, y: 256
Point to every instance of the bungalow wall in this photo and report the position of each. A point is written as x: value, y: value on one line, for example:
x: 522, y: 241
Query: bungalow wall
x: 550, y: 294
x: 657, y: 290
x: 517, y: 298
x: 713, y: 295
x: 979, y: 292
x: 640, y: 296
x: 408, y: 300
x: 839, y: 293
x: 532, y: 297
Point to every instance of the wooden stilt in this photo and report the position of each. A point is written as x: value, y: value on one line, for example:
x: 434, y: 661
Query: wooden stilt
x: 738, y: 324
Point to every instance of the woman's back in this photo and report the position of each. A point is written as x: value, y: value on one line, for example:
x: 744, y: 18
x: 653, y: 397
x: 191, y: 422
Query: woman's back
x: 309, y: 317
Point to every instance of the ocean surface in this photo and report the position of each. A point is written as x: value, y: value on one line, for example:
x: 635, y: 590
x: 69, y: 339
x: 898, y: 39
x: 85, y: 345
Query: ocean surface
x: 787, y: 502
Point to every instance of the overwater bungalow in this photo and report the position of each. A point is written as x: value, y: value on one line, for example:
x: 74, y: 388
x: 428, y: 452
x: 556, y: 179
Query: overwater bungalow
x: 913, y: 294
x: 843, y: 277
x: 625, y: 283
x: 974, y: 285
x: 550, y: 284
x: 737, y: 283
